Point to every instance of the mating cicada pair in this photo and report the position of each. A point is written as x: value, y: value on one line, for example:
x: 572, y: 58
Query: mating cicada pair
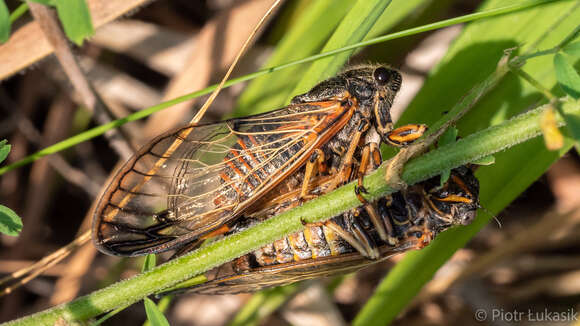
x: 205, y: 180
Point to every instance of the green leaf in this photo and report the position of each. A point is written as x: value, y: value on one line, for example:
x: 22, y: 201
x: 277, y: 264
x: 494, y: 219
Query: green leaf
x: 573, y: 125
x: 154, y: 315
x: 487, y: 160
x: 50, y: 3
x: 4, y: 22
x: 572, y: 49
x: 569, y: 80
x: 448, y: 137
x: 270, y: 91
x: 76, y: 19
x: 567, y: 76
x: 149, y: 262
x: 10, y: 222
x: 4, y: 149
x: 353, y: 28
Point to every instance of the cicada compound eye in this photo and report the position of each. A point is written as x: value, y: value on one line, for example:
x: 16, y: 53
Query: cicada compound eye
x: 382, y: 75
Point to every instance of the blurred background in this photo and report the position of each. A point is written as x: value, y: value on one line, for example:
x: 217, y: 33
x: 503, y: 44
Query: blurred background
x: 145, y: 52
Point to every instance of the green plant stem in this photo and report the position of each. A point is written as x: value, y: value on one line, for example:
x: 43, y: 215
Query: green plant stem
x: 97, y: 131
x: 480, y: 144
x: 527, y: 77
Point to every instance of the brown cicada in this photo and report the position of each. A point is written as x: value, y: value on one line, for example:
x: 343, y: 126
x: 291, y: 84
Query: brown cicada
x: 350, y: 241
x: 188, y: 184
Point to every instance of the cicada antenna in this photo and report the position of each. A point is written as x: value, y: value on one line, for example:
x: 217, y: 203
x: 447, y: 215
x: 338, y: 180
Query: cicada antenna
x: 488, y: 212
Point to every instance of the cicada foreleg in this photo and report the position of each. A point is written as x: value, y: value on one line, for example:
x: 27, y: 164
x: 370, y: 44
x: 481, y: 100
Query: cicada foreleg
x: 405, y: 135
x: 402, y: 137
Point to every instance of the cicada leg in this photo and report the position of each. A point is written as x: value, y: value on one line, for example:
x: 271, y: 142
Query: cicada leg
x: 419, y: 236
x: 370, y: 160
x: 405, y: 135
x: 315, y: 165
x: 402, y: 137
x: 344, y: 171
x: 353, y: 233
x: 383, y: 225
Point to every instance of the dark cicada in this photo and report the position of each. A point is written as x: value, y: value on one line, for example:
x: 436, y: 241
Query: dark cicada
x: 189, y: 183
x: 350, y: 241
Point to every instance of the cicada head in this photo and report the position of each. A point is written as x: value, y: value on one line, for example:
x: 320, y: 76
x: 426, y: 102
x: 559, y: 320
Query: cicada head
x: 455, y: 203
x: 375, y: 88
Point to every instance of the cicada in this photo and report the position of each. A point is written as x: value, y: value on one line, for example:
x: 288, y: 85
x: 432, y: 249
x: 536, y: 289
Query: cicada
x: 190, y: 183
x: 350, y: 241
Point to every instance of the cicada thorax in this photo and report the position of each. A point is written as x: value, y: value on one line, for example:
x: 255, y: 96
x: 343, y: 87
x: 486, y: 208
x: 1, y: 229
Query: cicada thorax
x: 347, y: 242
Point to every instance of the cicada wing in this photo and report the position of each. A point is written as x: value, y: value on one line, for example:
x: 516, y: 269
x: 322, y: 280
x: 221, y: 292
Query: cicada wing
x: 192, y: 180
x: 287, y: 273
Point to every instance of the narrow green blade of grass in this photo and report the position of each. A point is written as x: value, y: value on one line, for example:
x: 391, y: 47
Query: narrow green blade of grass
x: 472, y: 57
x: 45, y: 2
x: 353, y: 28
x: 76, y: 19
x: 149, y: 263
x: 270, y: 91
x: 4, y: 22
x: 396, y: 12
x: 162, y: 306
x: 18, y: 12
x: 154, y: 316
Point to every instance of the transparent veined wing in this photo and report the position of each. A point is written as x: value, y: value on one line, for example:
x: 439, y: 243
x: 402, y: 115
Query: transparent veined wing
x: 190, y: 181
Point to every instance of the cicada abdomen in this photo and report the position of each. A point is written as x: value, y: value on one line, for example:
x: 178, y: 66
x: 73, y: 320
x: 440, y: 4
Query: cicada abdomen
x: 350, y: 241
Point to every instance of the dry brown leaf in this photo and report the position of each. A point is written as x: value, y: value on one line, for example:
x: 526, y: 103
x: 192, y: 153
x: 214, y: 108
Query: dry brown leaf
x: 27, y: 45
